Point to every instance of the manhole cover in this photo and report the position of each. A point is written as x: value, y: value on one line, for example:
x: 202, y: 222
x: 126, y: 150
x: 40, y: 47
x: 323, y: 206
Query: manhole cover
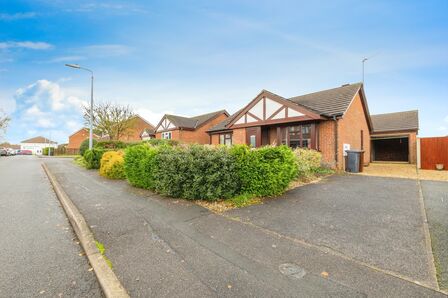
x: 292, y: 270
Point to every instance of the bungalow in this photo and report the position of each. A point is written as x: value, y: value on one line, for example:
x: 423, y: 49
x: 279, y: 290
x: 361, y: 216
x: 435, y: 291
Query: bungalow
x: 189, y: 129
x: 37, y: 144
x: 330, y: 121
x: 76, y: 138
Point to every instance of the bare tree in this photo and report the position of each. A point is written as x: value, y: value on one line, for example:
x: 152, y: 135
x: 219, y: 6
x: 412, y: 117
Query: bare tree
x: 109, y: 119
x: 4, y: 121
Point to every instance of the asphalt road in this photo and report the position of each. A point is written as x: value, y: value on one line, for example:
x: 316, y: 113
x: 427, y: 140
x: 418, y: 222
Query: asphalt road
x: 435, y: 194
x: 39, y: 255
x: 162, y: 247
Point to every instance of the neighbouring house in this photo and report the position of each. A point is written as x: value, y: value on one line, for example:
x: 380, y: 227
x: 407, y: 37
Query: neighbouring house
x: 394, y: 136
x: 189, y: 129
x: 147, y: 134
x: 135, y: 132
x: 37, y: 144
x: 75, y: 140
x: 11, y: 146
x: 330, y: 121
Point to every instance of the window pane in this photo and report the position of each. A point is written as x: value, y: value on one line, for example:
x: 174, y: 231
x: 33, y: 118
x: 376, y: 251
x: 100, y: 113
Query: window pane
x: 221, y: 139
x: 253, y: 141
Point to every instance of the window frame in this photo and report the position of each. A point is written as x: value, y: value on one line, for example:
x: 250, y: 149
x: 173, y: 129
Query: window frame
x: 165, y: 134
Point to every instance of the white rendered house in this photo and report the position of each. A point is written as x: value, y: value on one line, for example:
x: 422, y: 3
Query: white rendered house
x: 37, y: 144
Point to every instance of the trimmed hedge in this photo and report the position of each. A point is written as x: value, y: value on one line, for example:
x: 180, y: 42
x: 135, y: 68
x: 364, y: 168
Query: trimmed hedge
x: 85, y: 146
x: 112, y: 165
x: 138, y: 165
x: 265, y: 171
x: 93, y: 157
x: 45, y: 151
x: 111, y: 145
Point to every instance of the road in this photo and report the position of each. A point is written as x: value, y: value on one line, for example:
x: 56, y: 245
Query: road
x: 162, y: 247
x: 39, y: 253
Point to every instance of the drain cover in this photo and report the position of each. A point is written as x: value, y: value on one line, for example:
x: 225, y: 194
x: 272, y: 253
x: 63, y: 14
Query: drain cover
x: 292, y: 270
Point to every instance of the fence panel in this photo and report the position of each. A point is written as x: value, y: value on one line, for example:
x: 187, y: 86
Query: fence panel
x: 434, y: 151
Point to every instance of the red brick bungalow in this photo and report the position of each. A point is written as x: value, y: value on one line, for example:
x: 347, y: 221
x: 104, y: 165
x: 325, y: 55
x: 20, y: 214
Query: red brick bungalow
x: 189, y: 129
x: 323, y: 121
x: 75, y: 140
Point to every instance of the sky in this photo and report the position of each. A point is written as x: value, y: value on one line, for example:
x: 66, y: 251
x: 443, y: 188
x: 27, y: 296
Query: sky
x: 194, y: 57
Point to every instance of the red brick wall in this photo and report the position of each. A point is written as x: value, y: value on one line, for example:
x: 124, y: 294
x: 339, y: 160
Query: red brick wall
x: 215, y: 139
x: 133, y: 134
x: 349, y: 131
x: 75, y: 140
x: 327, y: 141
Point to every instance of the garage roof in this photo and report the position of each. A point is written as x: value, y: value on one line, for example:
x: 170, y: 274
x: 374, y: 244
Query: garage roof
x: 407, y: 120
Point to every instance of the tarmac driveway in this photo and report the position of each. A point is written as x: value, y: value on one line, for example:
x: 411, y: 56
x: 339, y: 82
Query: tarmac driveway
x: 373, y: 220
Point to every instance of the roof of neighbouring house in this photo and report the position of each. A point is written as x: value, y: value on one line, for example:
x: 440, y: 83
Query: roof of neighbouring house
x: 331, y: 102
x: 407, y: 120
x: 40, y: 140
x: 8, y: 145
x: 193, y: 122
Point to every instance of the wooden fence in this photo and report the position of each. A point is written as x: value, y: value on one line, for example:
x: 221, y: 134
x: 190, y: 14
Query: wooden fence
x: 434, y: 151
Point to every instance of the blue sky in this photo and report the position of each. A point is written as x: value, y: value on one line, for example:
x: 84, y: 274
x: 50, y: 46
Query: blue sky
x: 191, y: 57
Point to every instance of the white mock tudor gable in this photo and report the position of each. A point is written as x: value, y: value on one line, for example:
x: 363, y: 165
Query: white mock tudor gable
x: 165, y: 125
x: 268, y: 109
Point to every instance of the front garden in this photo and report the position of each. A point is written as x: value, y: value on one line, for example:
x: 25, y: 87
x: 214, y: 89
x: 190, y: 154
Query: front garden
x: 220, y: 176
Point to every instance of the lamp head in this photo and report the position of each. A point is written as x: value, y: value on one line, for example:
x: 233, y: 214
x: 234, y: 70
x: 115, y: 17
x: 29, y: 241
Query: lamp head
x: 73, y: 65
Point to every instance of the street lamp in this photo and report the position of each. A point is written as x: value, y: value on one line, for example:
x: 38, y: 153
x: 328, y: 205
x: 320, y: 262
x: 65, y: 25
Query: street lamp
x: 363, y: 61
x: 91, y: 101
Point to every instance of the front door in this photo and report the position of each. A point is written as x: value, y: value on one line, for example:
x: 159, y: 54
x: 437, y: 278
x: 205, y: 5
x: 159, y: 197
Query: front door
x: 253, y: 136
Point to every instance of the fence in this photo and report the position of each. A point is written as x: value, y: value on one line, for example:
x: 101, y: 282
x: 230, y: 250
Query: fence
x: 433, y: 151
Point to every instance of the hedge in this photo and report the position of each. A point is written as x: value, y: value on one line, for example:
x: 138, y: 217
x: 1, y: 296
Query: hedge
x: 138, y: 165
x: 111, y: 145
x: 159, y: 142
x: 112, y: 165
x: 85, y: 146
x: 308, y: 161
x: 265, y: 171
x: 93, y: 157
x: 45, y: 151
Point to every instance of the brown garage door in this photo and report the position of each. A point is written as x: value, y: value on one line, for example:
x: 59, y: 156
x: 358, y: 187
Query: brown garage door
x: 434, y: 151
x: 390, y: 149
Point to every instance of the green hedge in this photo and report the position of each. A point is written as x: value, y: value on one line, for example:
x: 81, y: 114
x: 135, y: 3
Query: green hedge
x: 45, y: 151
x: 85, y: 146
x: 93, y: 157
x: 138, y: 165
x: 111, y: 145
x: 266, y: 171
x: 159, y: 142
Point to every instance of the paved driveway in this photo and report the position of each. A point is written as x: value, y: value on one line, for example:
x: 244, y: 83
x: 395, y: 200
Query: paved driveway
x: 373, y: 220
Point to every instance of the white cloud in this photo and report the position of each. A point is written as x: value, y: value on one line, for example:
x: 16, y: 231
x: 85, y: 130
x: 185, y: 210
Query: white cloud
x: 151, y: 116
x: 39, y: 45
x: 17, y: 16
x: 446, y: 119
x: 65, y: 59
x: 443, y: 128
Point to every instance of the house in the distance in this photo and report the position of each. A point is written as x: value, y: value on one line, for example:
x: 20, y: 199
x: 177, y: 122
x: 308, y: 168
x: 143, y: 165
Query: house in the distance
x: 37, y: 144
x: 189, y: 129
x: 330, y: 121
x: 75, y: 140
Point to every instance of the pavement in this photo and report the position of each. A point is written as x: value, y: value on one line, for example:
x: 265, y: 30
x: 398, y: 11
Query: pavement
x: 167, y: 247
x: 39, y: 255
x: 435, y: 194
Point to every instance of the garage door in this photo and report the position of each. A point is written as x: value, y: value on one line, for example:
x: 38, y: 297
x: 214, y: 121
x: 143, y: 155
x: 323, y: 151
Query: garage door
x: 390, y: 149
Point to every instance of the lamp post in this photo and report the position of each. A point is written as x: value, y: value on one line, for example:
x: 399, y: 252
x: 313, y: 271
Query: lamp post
x: 363, y: 61
x: 91, y: 101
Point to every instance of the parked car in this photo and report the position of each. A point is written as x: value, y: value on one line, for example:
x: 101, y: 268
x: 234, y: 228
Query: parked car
x: 24, y: 152
x: 10, y: 151
x: 3, y: 152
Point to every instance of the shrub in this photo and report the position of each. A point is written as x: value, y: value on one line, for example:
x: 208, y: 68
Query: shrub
x: 111, y: 145
x: 308, y: 161
x: 195, y: 172
x: 85, y: 145
x: 45, y: 151
x: 138, y: 166
x: 112, y: 165
x: 266, y: 171
x: 159, y: 142
x: 93, y: 157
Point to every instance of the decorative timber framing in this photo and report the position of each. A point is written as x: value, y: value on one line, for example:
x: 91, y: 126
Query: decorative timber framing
x: 269, y: 108
x: 165, y: 125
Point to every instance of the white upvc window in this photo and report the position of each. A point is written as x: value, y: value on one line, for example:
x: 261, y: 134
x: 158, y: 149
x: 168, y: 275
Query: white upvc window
x: 166, y: 135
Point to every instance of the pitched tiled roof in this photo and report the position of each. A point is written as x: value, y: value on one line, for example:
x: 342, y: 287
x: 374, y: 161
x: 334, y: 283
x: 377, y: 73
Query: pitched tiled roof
x: 407, y: 120
x: 193, y: 122
x: 331, y: 102
x: 40, y: 140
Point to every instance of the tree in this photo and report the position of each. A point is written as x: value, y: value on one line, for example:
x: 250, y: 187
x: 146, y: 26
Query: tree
x: 110, y: 119
x: 4, y: 121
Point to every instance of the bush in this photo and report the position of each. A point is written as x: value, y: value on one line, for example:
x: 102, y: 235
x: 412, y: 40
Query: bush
x: 159, y: 142
x: 308, y: 161
x: 195, y: 172
x: 85, y: 146
x: 45, y: 151
x: 266, y: 171
x: 93, y: 157
x: 112, y: 165
x: 138, y: 165
x: 111, y: 145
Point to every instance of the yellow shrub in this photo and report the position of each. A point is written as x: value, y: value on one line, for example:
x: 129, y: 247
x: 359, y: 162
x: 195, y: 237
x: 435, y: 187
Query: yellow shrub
x: 112, y: 165
x: 308, y: 160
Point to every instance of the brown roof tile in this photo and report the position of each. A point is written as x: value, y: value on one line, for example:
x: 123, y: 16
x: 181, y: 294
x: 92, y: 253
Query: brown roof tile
x: 407, y: 120
x: 39, y: 139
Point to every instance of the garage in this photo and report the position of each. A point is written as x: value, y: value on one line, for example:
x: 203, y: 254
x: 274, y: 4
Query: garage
x: 394, y: 137
x: 390, y: 149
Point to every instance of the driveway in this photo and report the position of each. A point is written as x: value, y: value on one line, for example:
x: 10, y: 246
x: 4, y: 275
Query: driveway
x: 166, y: 247
x: 373, y: 220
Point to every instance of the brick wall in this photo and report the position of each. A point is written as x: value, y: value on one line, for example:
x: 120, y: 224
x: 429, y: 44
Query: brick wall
x: 326, y: 142
x: 133, y: 134
x: 75, y: 140
x: 349, y: 131
x: 239, y: 136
